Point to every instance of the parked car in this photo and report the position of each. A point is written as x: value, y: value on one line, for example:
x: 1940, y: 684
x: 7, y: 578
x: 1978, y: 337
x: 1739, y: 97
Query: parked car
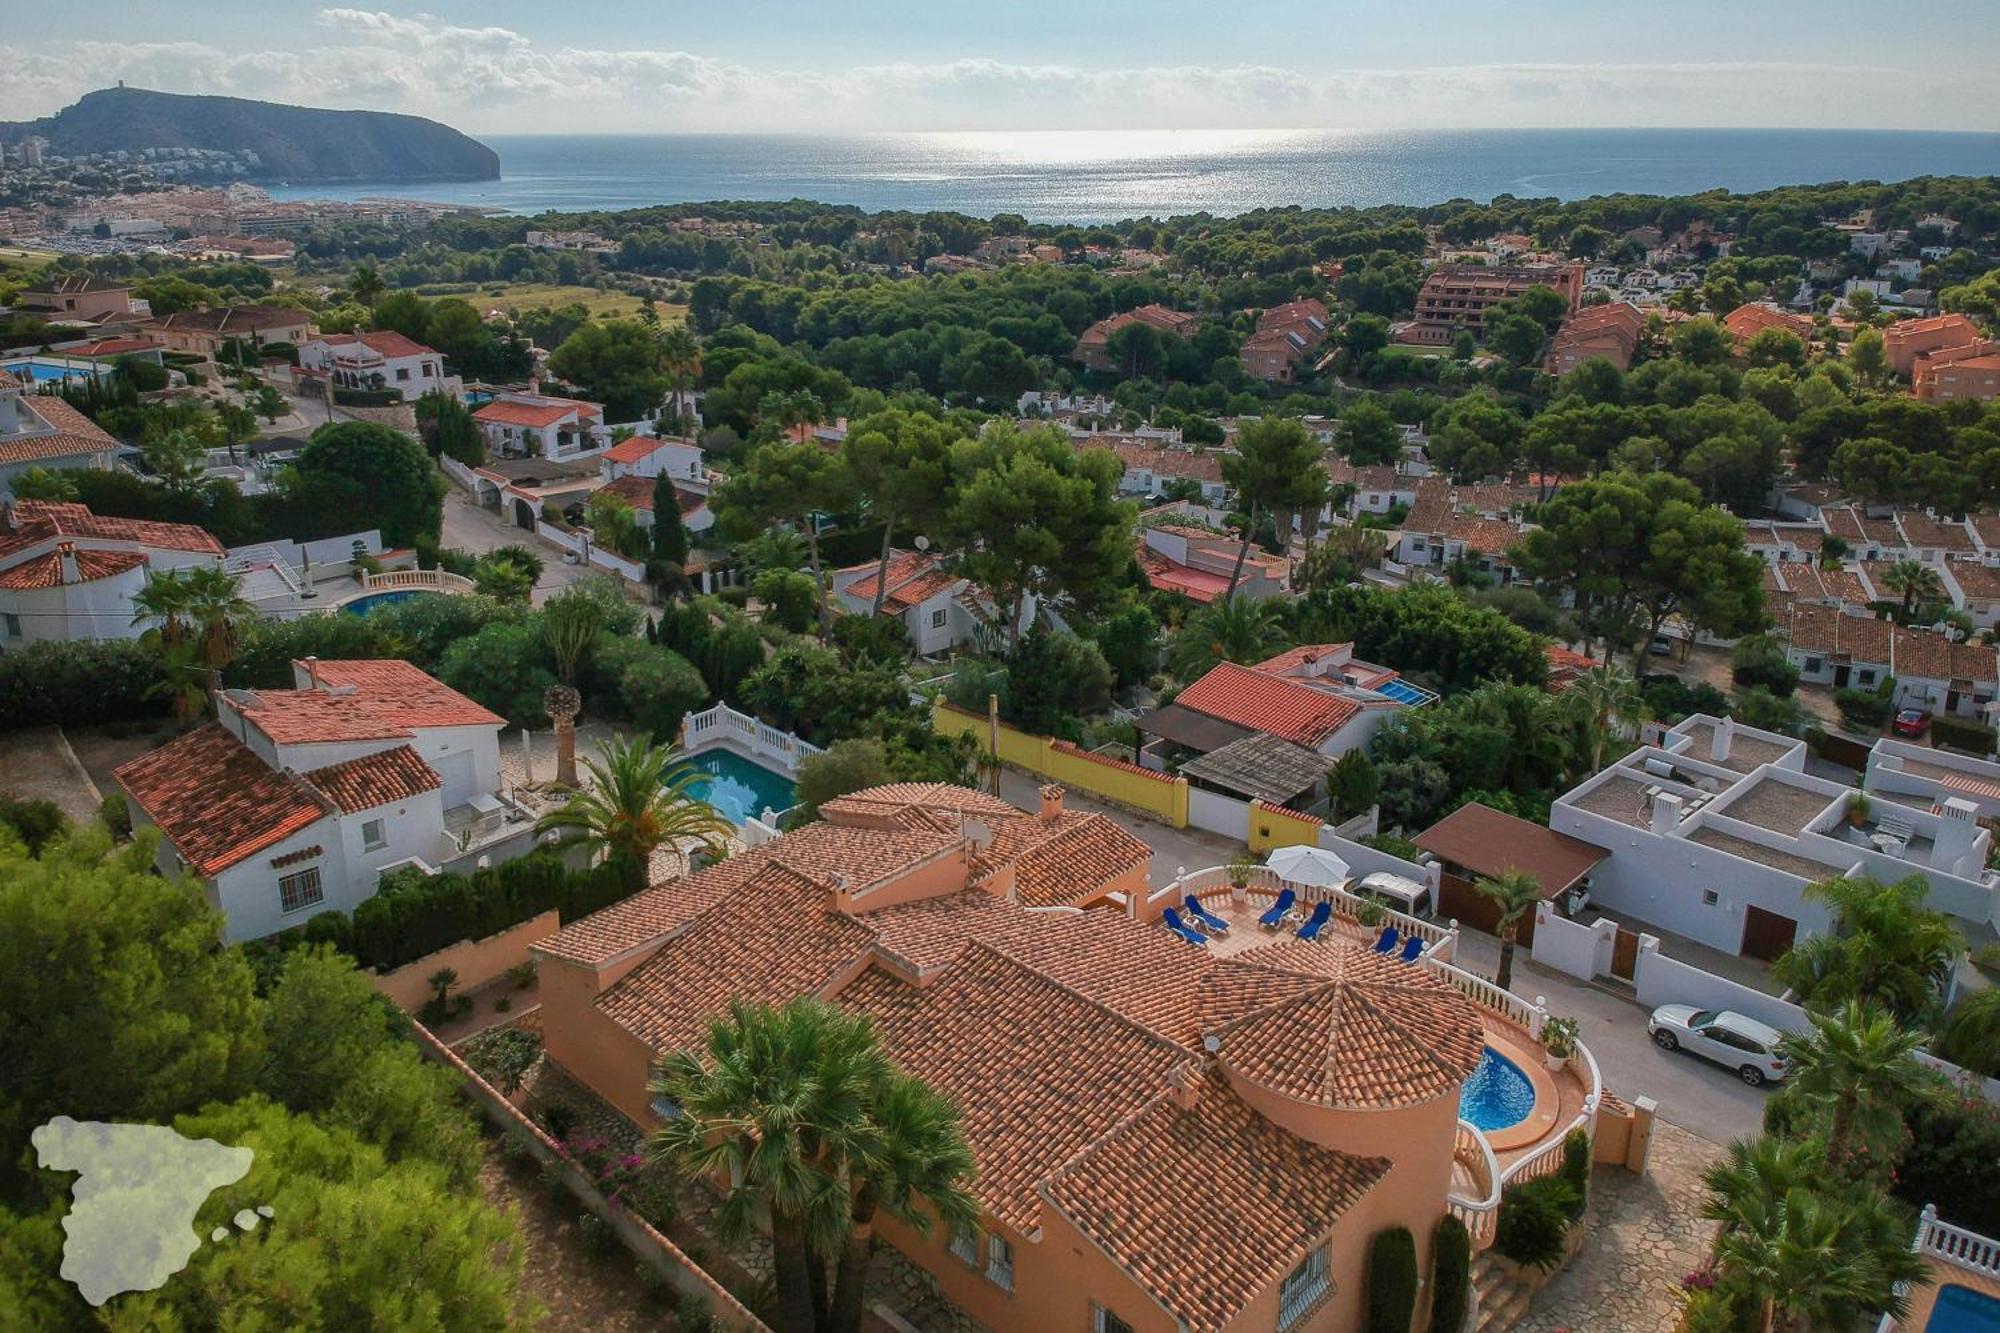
x: 1729, y: 1039
x: 1912, y: 722
x: 1661, y: 646
x: 1399, y: 893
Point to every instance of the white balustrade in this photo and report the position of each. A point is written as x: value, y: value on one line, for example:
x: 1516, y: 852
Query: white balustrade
x: 1480, y: 1211
x: 720, y: 722
x: 1956, y: 1246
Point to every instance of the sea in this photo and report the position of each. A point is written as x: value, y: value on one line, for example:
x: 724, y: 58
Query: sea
x: 1091, y: 176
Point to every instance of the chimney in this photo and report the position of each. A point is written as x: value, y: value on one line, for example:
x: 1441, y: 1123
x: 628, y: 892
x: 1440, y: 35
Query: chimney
x: 1184, y: 1085
x: 1719, y: 737
x: 1052, y: 801
x: 312, y: 671
x: 1666, y: 813
x: 1958, y: 825
x: 66, y: 557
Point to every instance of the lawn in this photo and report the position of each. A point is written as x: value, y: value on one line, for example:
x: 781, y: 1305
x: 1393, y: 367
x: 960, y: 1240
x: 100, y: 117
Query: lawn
x: 601, y: 304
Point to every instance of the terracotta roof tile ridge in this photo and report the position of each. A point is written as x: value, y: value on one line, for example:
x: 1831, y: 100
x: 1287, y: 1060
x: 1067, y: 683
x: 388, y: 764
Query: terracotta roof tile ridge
x: 1063, y: 987
x: 1389, y: 1020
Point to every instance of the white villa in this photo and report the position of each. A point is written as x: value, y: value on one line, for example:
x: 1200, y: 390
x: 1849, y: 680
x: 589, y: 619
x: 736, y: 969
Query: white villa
x: 940, y: 609
x: 1715, y: 832
x: 294, y: 802
x: 383, y: 359
x: 530, y: 425
x: 38, y: 430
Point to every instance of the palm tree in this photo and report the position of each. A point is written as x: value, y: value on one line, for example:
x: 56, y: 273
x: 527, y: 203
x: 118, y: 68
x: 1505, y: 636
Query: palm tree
x: 916, y: 1154
x: 639, y: 800
x: 680, y: 357
x: 217, y: 611
x: 1860, y: 1067
x: 1812, y: 1257
x: 570, y: 624
x: 1603, y: 695
x: 1886, y: 948
x: 1915, y: 582
x: 1515, y: 893
x: 164, y: 602
x: 770, y: 1101
x: 365, y: 284
x: 1972, y: 1034
x: 1229, y: 630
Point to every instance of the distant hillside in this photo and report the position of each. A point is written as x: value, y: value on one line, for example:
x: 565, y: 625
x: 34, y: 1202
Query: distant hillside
x: 293, y: 143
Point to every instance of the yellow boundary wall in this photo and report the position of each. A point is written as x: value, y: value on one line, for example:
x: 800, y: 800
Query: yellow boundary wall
x: 1156, y: 794
x: 1275, y: 826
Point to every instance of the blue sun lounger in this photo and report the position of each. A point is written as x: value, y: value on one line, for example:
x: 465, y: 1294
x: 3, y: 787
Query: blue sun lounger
x: 1173, y: 922
x: 1322, y: 913
x: 1203, y: 917
x: 1386, y: 941
x: 1413, y: 949
x: 1279, y: 910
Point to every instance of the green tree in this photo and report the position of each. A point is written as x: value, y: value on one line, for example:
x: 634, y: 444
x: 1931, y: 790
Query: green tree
x: 1703, y: 342
x: 1887, y: 948
x: 570, y: 624
x: 670, y: 534
x: 365, y: 283
x: 1914, y: 583
x: 1604, y: 696
x: 179, y: 458
x: 447, y: 428
x: 40, y: 483
x: 1971, y: 1035
x: 1859, y: 1067
x: 1276, y: 471
x: 1776, y: 347
x: 504, y: 667
x: 845, y: 766
x: 1241, y: 631
x: 1868, y: 358
x: 680, y: 361
x: 217, y: 612
x: 787, y: 482
x: 1353, y: 785
x: 618, y: 363
x: 639, y: 799
x: 268, y: 403
x: 1514, y: 893
x: 383, y: 474
x: 900, y: 464
x: 615, y: 524
x: 1036, y: 518
x: 1368, y: 434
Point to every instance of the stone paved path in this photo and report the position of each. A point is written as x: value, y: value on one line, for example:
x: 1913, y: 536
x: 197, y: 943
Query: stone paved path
x: 1646, y: 1233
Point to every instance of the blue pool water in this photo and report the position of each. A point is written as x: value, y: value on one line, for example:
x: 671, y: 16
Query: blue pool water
x: 1962, y: 1310
x: 1497, y: 1095
x: 738, y: 788
x: 361, y: 606
x: 1403, y: 692
x: 46, y: 372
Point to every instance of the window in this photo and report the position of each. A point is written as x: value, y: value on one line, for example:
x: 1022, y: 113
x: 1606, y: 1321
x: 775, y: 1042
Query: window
x: 373, y: 839
x: 1000, y: 1262
x: 1709, y: 897
x: 1302, y: 1288
x: 1815, y: 665
x: 938, y: 618
x: 402, y: 372
x: 300, y: 891
x: 1103, y: 1321
x: 665, y: 1107
x: 965, y: 1244
x: 13, y: 625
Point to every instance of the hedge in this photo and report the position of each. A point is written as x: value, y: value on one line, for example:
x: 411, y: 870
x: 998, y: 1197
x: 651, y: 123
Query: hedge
x: 1392, y: 1281
x: 1451, y: 1274
x: 79, y: 682
x: 1960, y: 734
x: 367, y: 397
x: 1534, y: 1221
x: 413, y: 914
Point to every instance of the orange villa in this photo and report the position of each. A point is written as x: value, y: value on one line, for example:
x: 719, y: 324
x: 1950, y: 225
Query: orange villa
x: 1748, y: 320
x: 1905, y: 342
x: 1093, y: 347
x: 1168, y: 1138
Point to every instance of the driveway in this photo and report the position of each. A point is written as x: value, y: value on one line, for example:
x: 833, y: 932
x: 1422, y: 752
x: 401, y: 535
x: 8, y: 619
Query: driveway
x: 1704, y: 1099
x: 475, y: 531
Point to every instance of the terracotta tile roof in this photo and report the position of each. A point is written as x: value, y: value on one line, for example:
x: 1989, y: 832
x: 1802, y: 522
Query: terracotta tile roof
x: 1487, y: 842
x: 1930, y: 655
x: 1803, y: 537
x: 1064, y: 861
x: 110, y: 347
x: 45, y: 571
x: 1363, y: 1031
x: 1931, y: 534
x: 1284, y: 662
x: 1208, y: 1207
x: 539, y: 415
x: 215, y: 800
x: 1987, y: 528
x: 1979, y: 582
x: 1851, y: 524
x: 1164, y: 462
x: 387, y: 342
x: 72, y: 433
x: 1747, y: 321
x: 1565, y: 665
x: 1821, y: 629
x: 26, y: 522
x: 929, y: 795
x: 1283, y: 707
x: 235, y: 319
x: 375, y: 779
x: 365, y: 699
x: 639, y: 448
x: 1038, y: 1070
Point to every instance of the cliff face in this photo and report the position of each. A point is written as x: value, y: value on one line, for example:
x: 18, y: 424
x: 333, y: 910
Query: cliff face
x: 294, y: 143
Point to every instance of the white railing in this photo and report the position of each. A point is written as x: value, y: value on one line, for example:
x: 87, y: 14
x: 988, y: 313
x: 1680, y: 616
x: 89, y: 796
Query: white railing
x: 1939, y: 1239
x: 1546, y: 1160
x: 1481, y: 1213
x: 1267, y: 883
x: 720, y: 724
x: 1484, y: 993
x: 436, y: 580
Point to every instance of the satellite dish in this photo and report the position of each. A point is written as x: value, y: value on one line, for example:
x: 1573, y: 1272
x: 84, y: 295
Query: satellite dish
x: 923, y: 543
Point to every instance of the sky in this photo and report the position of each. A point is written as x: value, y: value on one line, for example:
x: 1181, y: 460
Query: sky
x: 658, y: 66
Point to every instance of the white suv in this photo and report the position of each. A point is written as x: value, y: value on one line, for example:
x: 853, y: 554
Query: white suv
x: 1742, y: 1044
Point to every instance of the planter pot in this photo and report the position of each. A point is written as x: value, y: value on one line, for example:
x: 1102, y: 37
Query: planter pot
x: 1554, y: 1061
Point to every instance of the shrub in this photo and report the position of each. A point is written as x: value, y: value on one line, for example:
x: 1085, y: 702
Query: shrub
x: 1954, y: 1161
x: 35, y: 821
x: 517, y: 1147
x: 1960, y: 734
x: 790, y: 598
x: 658, y: 688
x: 504, y: 667
x: 503, y: 1056
x: 117, y: 815
x: 78, y: 682
x: 1576, y: 1167
x: 1760, y: 659
x: 1862, y: 709
x: 1534, y: 1220
x: 1392, y: 1281
x: 1670, y: 698
x: 1451, y: 1274
x: 843, y: 767
x: 597, y: 1236
x: 694, y: 1315
x: 736, y: 595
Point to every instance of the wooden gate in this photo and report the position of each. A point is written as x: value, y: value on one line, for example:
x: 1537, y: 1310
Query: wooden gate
x: 1625, y: 953
x: 1459, y: 900
x: 1766, y: 935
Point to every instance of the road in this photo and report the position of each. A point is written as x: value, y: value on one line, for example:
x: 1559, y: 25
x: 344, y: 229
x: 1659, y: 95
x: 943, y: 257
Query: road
x: 476, y: 531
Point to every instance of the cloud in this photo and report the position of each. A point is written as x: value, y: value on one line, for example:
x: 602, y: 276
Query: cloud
x: 495, y: 79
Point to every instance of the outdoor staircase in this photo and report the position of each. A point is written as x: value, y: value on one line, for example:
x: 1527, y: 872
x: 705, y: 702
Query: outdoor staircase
x: 1501, y: 1298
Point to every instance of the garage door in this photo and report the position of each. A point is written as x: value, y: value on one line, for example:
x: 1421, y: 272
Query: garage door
x: 1766, y: 935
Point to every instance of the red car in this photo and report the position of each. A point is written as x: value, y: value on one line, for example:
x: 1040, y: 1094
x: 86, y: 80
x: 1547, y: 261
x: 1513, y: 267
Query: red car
x: 1911, y: 722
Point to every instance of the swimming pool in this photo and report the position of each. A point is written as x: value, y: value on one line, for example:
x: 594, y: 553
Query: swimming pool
x: 1498, y: 1094
x: 1963, y: 1310
x: 49, y: 372
x: 361, y: 606
x: 738, y: 788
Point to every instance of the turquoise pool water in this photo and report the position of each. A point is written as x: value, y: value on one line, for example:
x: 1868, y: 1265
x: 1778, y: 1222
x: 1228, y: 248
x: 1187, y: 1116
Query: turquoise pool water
x: 361, y: 606
x: 1497, y: 1095
x: 48, y: 372
x: 1963, y: 1310
x: 738, y: 788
